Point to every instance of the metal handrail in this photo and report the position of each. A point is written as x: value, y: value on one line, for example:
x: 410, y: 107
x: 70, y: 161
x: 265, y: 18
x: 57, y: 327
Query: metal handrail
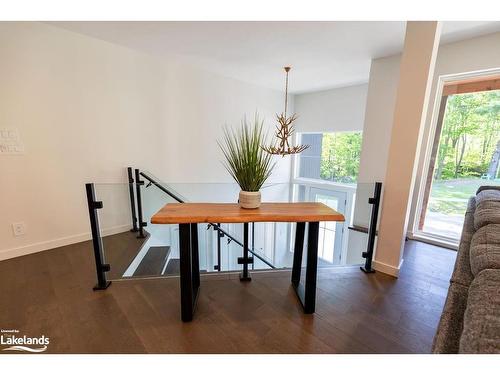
x: 215, y: 226
x: 161, y: 187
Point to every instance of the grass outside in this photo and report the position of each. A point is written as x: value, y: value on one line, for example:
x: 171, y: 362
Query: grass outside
x: 451, y: 196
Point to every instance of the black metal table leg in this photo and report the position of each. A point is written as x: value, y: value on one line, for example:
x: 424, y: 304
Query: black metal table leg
x: 195, y: 258
x: 245, y: 260
x: 189, y: 275
x: 306, y: 293
x: 311, y: 268
x: 297, y: 253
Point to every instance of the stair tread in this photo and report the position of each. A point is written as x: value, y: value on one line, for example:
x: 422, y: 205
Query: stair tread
x: 153, y: 262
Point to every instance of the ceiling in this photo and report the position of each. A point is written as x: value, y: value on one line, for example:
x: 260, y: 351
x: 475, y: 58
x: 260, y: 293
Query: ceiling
x: 322, y: 54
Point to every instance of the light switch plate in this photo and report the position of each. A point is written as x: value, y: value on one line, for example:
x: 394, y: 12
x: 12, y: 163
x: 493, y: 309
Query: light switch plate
x: 10, y: 142
x: 19, y: 229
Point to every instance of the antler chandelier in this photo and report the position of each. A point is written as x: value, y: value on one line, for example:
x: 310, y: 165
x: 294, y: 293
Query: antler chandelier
x: 285, y: 130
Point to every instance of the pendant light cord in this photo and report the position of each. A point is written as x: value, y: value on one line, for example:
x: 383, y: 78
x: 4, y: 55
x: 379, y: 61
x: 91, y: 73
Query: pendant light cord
x: 287, y: 69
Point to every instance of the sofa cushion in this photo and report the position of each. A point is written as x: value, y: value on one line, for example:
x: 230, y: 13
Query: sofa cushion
x: 487, y: 208
x: 485, y: 248
x: 462, y: 272
x: 481, y: 324
x: 447, y: 338
x: 487, y: 187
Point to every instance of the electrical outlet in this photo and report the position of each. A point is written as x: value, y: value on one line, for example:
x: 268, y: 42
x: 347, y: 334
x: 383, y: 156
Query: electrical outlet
x: 19, y: 229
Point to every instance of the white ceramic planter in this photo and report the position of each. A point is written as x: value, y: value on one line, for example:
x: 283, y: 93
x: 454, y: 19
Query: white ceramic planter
x: 249, y: 199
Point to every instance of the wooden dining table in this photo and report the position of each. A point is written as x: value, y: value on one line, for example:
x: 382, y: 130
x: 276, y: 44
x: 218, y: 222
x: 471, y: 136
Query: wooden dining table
x: 189, y: 215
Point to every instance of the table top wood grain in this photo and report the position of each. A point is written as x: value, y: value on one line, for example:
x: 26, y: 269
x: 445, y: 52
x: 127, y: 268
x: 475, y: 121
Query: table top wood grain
x: 184, y: 213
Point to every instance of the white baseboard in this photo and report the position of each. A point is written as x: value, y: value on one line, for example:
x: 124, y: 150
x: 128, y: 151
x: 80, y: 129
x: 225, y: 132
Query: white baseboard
x: 58, y: 242
x: 387, y: 268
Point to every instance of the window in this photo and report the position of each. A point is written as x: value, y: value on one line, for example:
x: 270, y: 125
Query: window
x: 331, y: 156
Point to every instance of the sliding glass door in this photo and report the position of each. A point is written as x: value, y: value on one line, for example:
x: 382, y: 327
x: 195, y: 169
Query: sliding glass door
x: 465, y: 155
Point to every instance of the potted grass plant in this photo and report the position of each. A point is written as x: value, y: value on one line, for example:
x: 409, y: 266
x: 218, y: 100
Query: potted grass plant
x: 246, y: 161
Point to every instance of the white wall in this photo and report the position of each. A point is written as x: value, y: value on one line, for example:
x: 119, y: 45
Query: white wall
x: 197, y: 105
x: 86, y: 109
x: 340, y: 109
x: 380, y: 102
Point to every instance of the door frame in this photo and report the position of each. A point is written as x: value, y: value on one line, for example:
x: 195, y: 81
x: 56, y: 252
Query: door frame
x: 442, y: 81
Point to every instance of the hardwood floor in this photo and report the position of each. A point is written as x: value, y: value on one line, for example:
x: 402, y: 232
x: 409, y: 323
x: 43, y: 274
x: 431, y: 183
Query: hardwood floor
x: 50, y: 293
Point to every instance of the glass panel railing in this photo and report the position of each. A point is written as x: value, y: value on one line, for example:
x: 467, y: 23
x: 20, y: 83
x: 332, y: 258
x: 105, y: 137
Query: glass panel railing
x: 364, y: 223
x: 159, y: 255
x: 341, y: 243
x: 261, y: 244
x: 120, y: 245
x: 271, y: 244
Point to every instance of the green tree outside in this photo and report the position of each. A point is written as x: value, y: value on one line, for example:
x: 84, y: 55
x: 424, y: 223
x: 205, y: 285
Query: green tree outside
x: 470, y: 138
x: 469, y: 151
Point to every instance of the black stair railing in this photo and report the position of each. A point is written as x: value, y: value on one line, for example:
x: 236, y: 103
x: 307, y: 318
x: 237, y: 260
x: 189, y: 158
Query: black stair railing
x: 101, y: 266
x: 245, y: 260
x: 217, y: 267
x: 372, y: 229
x: 142, y: 223
x: 132, y: 199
